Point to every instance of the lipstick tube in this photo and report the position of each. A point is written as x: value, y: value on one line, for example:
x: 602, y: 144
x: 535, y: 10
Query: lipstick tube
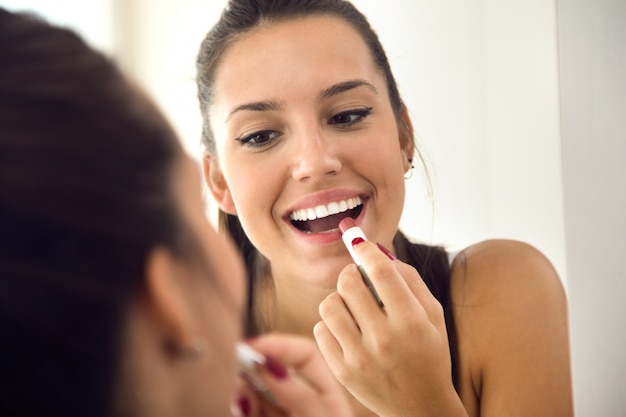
x: 349, y: 232
x: 249, y: 359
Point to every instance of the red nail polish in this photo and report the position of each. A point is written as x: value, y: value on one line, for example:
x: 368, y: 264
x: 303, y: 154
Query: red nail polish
x: 244, y: 405
x: 276, y: 368
x: 357, y: 240
x: 386, y: 252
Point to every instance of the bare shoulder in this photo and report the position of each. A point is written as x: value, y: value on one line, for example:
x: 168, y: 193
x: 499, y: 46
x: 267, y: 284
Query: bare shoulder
x: 503, y: 271
x: 510, y: 314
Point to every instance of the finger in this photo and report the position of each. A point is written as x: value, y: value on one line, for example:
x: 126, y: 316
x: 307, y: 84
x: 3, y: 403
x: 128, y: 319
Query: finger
x: 297, y: 353
x: 324, y: 337
x: 329, y: 347
x: 359, y: 300
x: 340, y: 321
x: 309, y: 386
x: 388, y: 281
x: 420, y: 290
x: 247, y: 401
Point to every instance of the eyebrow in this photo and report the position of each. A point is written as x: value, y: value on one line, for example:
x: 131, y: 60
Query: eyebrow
x: 274, y: 105
x: 346, y: 86
x: 267, y: 105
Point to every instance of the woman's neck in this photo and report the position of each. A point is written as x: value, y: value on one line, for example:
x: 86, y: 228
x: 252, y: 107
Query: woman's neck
x: 288, y: 305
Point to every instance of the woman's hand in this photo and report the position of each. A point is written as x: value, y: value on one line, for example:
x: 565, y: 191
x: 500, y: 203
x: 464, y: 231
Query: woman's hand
x: 394, y: 360
x: 298, y: 378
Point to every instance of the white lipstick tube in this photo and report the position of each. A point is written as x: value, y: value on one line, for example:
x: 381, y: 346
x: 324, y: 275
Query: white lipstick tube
x: 249, y: 359
x: 351, y: 231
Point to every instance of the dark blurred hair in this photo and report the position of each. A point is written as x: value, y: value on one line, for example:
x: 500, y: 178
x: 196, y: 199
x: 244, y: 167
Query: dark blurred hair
x: 240, y: 17
x: 86, y: 168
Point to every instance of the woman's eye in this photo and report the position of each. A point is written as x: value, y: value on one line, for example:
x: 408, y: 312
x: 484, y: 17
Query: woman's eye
x: 259, y: 139
x: 350, y: 117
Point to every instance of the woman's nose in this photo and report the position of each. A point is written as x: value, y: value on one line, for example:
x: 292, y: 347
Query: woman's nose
x: 315, y: 157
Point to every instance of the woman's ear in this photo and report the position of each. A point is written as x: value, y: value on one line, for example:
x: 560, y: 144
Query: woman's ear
x: 217, y: 184
x: 407, y: 139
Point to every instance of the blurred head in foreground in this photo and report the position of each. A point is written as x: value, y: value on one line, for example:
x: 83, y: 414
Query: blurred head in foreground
x: 116, y: 296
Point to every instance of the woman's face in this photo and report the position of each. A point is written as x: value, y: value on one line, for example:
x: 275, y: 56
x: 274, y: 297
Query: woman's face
x: 305, y: 136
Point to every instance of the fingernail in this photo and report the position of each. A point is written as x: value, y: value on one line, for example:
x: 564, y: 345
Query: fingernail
x: 386, y: 252
x: 276, y: 368
x: 356, y: 241
x: 243, y: 406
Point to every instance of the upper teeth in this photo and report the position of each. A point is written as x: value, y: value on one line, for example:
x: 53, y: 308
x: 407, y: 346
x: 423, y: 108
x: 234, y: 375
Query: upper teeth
x: 321, y: 211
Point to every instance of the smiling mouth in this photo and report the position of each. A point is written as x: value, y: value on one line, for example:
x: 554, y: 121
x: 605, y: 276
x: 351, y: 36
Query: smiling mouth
x: 326, y: 218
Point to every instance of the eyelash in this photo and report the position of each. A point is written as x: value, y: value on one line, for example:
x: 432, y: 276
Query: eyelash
x: 359, y: 113
x: 356, y: 116
x: 251, y: 139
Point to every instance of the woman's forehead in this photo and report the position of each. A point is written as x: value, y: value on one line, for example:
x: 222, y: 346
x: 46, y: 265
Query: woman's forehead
x: 291, y: 58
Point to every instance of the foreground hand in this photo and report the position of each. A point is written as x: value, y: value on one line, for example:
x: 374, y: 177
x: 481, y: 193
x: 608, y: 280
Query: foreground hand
x: 298, y: 379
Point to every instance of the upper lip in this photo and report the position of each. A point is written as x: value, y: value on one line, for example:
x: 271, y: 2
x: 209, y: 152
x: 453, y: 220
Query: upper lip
x: 323, y: 204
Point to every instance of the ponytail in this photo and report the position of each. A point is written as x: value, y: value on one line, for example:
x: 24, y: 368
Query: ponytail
x: 257, y: 267
x: 434, y: 267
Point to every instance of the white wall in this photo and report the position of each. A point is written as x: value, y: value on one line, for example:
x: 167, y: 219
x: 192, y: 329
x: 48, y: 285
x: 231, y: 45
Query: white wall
x: 592, y: 36
x: 157, y: 43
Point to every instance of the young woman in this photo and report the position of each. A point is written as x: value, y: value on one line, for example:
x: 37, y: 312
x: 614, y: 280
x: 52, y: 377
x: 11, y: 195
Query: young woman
x: 116, y: 296
x: 304, y: 126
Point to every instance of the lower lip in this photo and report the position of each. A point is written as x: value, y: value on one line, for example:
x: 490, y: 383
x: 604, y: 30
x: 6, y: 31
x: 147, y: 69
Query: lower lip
x: 326, y: 237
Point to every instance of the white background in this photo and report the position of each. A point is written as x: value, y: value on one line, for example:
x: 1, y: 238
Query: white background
x: 500, y: 94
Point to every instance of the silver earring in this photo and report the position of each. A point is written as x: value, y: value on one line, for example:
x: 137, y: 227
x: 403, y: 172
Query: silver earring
x: 409, y: 174
x: 195, y: 351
